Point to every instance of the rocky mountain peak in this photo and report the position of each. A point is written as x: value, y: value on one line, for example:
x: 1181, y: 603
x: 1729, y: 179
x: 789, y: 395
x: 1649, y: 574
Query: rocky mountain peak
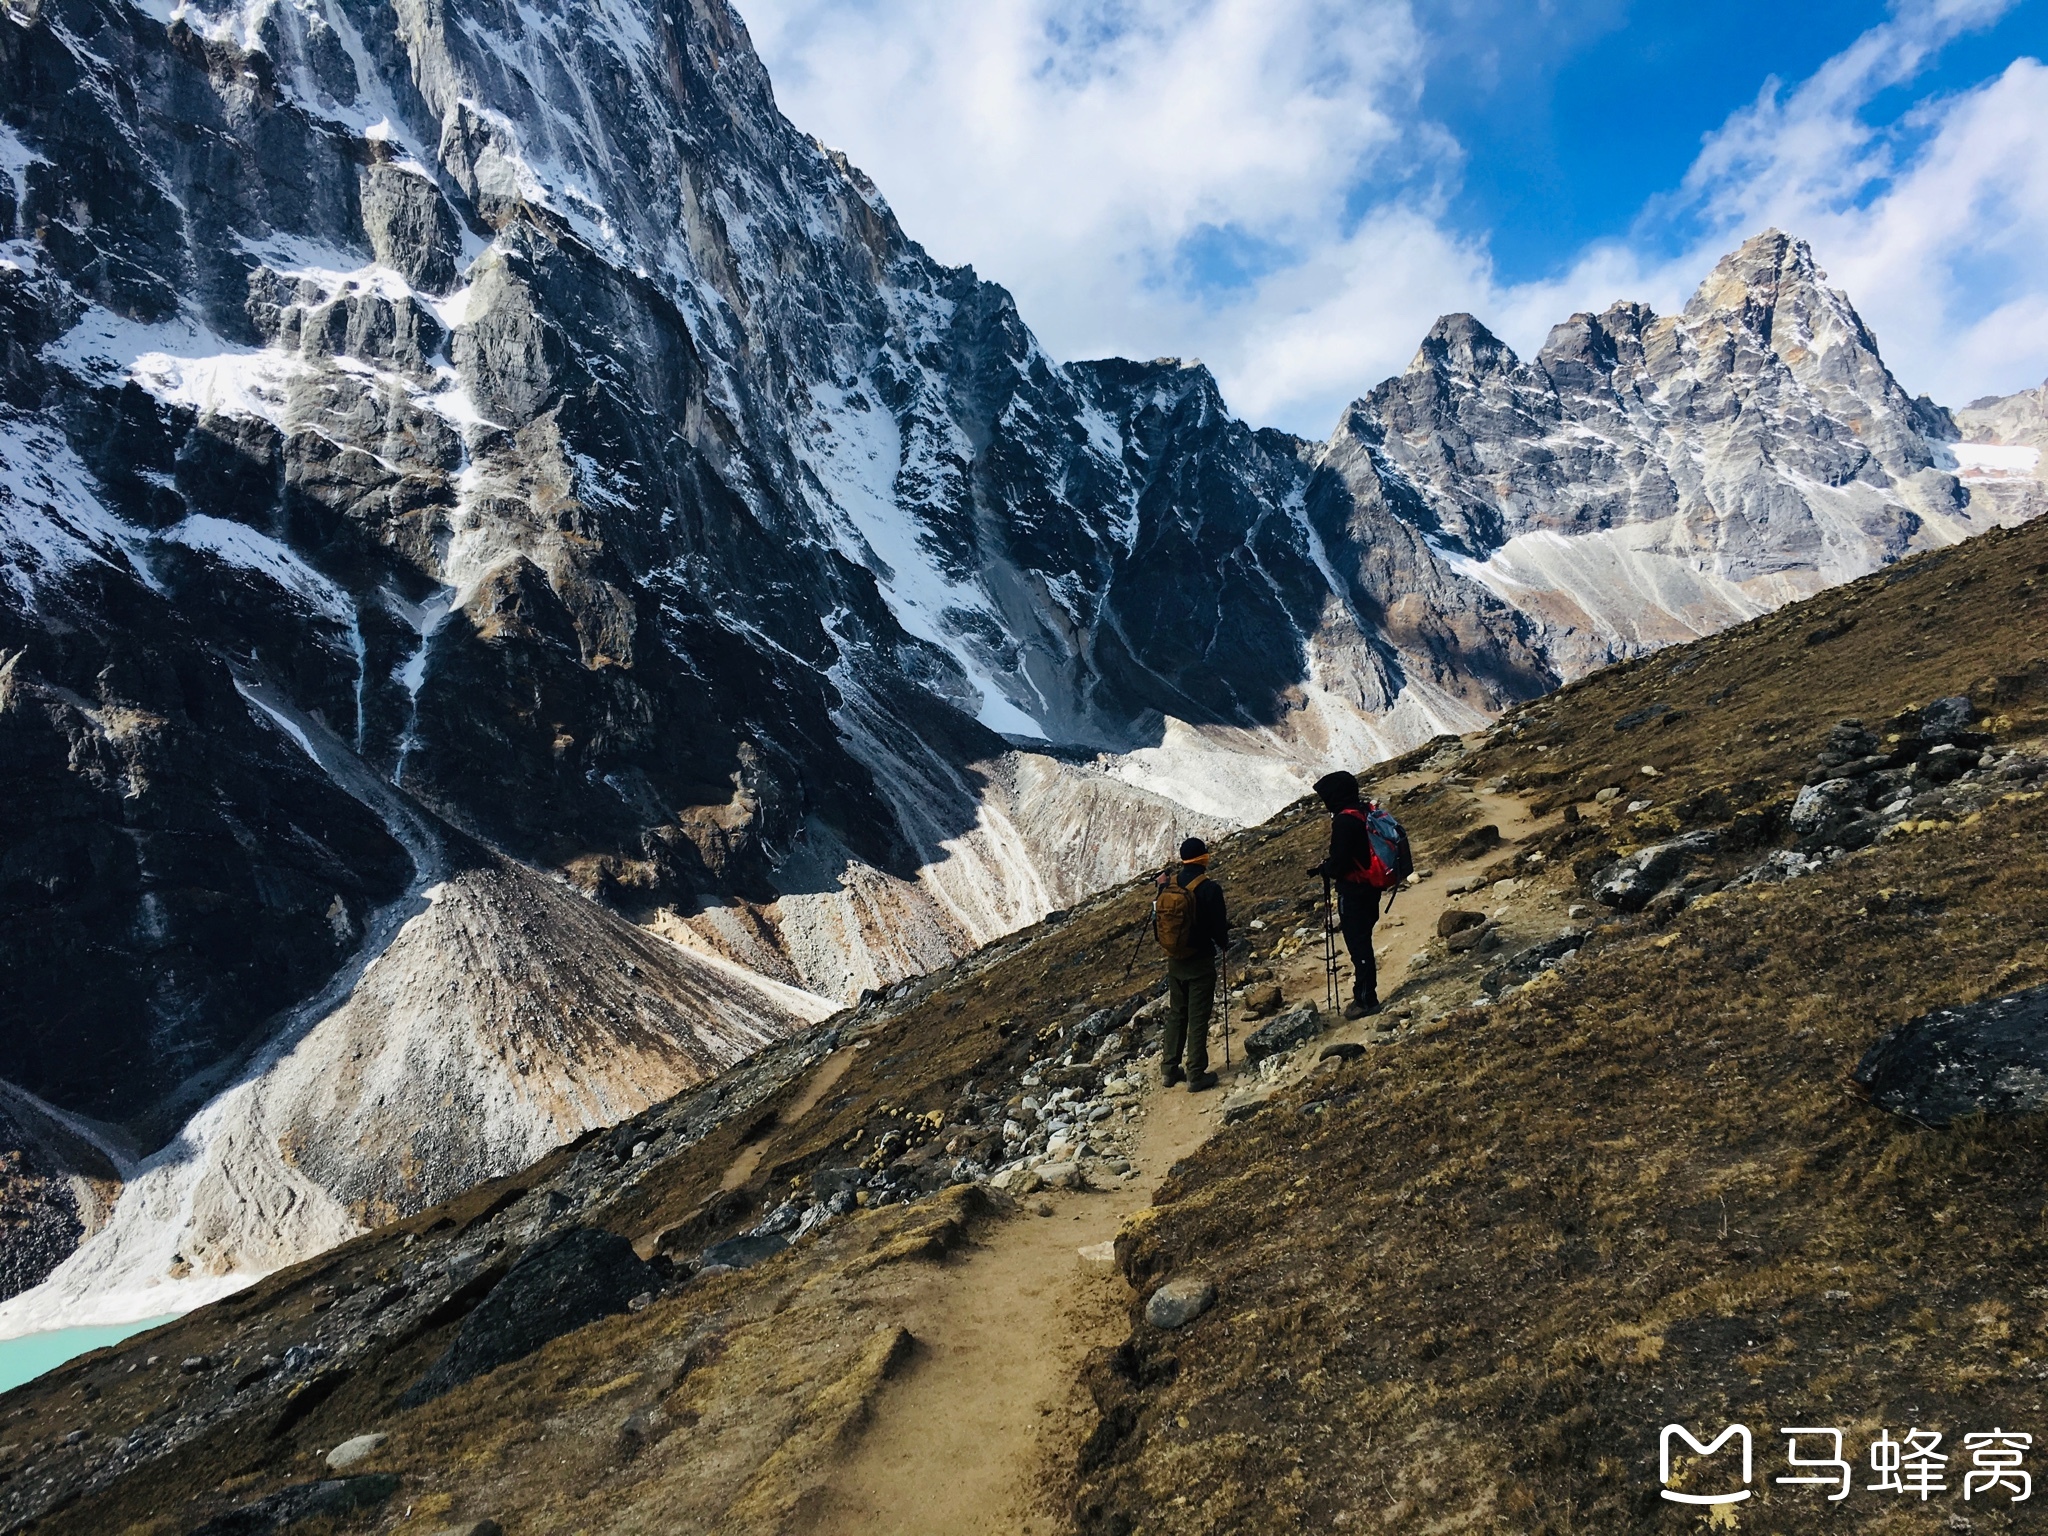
x: 1461, y: 345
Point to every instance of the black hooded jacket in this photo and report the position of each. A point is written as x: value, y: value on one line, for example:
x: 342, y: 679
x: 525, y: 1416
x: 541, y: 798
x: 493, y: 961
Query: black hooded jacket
x: 1350, y: 845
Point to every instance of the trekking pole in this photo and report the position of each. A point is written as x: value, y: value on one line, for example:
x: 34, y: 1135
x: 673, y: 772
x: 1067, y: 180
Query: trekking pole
x: 1329, y: 948
x: 1138, y: 948
x: 1226, y: 1008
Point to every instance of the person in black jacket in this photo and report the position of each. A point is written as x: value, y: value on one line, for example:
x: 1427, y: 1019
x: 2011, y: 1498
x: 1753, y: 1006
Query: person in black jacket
x: 1358, y: 903
x: 1191, y: 983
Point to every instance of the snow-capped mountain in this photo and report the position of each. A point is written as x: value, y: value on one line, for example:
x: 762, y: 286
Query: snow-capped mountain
x: 453, y: 454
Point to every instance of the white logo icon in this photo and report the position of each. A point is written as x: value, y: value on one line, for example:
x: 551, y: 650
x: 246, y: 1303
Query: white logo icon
x: 1732, y: 1432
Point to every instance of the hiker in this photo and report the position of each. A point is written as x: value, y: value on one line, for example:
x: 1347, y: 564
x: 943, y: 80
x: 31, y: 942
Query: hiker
x: 1193, y: 927
x: 1359, y: 872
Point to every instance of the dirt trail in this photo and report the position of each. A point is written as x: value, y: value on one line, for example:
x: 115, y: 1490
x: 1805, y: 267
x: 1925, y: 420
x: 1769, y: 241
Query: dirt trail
x: 823, y: 1076
x: 969, y: 1439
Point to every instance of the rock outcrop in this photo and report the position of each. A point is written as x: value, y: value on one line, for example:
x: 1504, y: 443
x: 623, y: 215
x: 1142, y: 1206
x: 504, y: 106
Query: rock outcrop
x: 1647, y: 478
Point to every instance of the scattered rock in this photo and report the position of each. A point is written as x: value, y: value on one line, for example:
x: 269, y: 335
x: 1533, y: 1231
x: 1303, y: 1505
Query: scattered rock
x: 1826, y: 804
x: 1944, y: 764
x: 1298, y: 1024
x: 1466, y: 886
x: 1628, y: 884
x: 473, y: 1528
x: 1179, y: 1302
x: 301, y: 1502
x: 1467, y: 940
x: 1019, y: 1181
x: 1343, y: 1050
x: 1066, y: 1175
x: 1243, y: 1109
x: 360, y: 1449
x: 1456, y: 920
x: 1099, y: 1253
x: 1984, y: 1058
x: 1607, y: 795
x: 1261, y: 1000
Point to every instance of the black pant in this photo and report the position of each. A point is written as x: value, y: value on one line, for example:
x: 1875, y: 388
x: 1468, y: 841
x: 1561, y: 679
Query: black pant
x: 1358, y: 908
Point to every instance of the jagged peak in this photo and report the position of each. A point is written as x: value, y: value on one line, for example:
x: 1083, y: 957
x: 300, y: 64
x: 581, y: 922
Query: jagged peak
x: 1762, y: 276
x: 1461, y: 343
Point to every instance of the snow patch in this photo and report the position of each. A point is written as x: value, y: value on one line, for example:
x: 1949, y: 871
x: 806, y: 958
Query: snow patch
x: 2000, y: 459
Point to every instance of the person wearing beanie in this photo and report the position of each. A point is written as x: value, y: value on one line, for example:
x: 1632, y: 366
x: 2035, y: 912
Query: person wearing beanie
x: 1358, y: 904
x: 1192, y: 925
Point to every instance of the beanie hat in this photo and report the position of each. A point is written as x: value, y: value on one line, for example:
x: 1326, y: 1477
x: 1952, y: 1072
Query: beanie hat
x: 1193, y: 848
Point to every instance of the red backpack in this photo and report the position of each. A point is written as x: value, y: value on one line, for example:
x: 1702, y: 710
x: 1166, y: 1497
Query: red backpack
x: 1391, y: 862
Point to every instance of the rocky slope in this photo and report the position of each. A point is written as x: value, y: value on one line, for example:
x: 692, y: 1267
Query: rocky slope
x: 504, y: 423
x: 1600, y: 1166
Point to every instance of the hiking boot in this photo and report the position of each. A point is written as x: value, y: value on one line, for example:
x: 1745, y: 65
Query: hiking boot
x: 1201, y: 1082
x: 1170, y: 1076
x: 1361, y: 1007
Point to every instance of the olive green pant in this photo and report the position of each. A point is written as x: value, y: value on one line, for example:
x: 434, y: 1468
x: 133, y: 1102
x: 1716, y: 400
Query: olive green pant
x: 1190, y: 998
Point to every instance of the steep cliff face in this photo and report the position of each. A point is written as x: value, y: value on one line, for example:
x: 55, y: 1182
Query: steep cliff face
x: 1648, y: 478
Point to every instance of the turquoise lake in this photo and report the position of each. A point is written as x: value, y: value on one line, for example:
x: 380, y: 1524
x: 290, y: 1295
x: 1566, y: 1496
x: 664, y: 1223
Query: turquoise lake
x: 26, y: 1358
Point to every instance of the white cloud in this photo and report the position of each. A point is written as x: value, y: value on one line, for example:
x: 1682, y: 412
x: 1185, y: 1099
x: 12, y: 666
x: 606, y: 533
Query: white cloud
x: 1079, y: 150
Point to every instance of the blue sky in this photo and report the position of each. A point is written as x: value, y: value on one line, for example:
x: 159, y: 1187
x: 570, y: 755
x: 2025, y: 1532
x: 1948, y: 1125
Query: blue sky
x: 1294, y: 189
x: 1575, y: 117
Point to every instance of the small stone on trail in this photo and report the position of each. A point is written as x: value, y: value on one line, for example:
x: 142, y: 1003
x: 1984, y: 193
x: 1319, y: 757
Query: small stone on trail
x: 1045, y: 1207
x: 1457, y: 920
x: 1179, y: 1302
x: 1099, y: 1253
x: 1343, y: 1050
x: 1300, y: 1023
x: 1063, y: 1176
x: 1466, y: 886
x: 1261, y: 1000
x: 350, y: 1452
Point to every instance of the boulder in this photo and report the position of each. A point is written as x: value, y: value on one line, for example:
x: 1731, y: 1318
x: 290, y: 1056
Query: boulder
x: 1944, y: 763
x: 1063, y: 1175
x: 1466, y: 940
x: 1628, y: 884
x: 1298, y: 1024
x: 1261, y: 1000
x: 1179, y: 1302
x: 562, y: 1283
x: 1457, y: 920
x: 1986, y: 1058
x: 1946, y: 719
x: 359, y: 1449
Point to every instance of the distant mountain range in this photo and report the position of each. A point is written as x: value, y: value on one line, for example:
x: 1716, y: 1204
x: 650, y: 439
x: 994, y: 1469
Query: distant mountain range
x: 457, y: 458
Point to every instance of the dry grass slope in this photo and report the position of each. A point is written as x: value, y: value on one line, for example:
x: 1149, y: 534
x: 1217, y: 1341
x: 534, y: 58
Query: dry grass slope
x: 1464, y: 1283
